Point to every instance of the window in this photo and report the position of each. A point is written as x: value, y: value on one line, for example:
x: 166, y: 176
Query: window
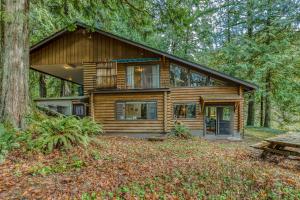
x: 179, y: 76
x: 198, y: 79
x: 184, y: 77
x: 185, y: 110
x: 136, y: 110
x: 215, y: 82
x: 144, y: 76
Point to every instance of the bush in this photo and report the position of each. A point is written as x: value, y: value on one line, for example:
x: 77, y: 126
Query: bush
x: 60, y: 133
x: 180, y: 130
x: 8, y: 140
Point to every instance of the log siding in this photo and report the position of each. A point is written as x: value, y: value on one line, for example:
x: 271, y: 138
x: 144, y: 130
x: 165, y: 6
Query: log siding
x: 86, y: 49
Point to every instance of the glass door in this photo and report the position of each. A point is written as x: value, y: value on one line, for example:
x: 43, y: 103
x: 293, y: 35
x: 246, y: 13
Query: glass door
x: 211, y: 120
x: 219, y: 120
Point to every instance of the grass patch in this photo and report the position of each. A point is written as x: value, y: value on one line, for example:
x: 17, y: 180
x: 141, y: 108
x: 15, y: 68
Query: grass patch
x: 61, y: 166
x: 260, y: 133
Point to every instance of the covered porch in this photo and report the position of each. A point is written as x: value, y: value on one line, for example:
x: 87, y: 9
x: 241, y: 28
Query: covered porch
x: 222, y: 115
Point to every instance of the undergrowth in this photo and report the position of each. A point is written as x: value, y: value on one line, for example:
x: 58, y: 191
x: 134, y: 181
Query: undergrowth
x: 44, y: 134
x: 7, y: 140
x: 180, y: 130
x: 59, y: 133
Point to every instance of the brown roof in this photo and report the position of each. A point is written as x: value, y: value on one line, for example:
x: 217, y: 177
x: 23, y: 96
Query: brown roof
x: 247, y: 85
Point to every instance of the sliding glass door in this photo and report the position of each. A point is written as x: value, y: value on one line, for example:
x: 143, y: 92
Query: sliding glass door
x: 219, y: 120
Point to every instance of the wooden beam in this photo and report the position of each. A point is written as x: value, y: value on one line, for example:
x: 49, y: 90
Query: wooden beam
x: 92, y: 106
x: 165, y: 111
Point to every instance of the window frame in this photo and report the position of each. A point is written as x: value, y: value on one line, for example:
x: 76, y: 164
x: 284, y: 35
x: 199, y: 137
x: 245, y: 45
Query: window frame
x: 142, y: 65
x: 185, y: 104
x: 188, y: 75
x: 189, y: 72
x: 137, y: 101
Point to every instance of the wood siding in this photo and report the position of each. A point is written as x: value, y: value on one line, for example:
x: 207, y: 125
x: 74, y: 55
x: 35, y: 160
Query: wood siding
x: 188, y: 95
x: 105, y: 113
x: 81, y: 46
x: 84, y: 48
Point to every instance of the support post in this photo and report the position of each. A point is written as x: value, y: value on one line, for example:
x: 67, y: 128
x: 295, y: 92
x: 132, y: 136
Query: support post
x: 165, y: 111
x: 92, y: 106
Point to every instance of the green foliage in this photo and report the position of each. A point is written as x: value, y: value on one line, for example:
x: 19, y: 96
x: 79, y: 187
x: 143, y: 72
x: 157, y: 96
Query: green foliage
x: 61, y: 166
x: 60, y: 133
x: 88, y: 196
x: 8, y: 140
x: 180, y: 130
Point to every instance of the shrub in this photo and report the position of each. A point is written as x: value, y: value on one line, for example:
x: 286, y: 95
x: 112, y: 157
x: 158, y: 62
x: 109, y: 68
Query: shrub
x: 60, y: 133
x: 180, y: 130
x: 8, y: 140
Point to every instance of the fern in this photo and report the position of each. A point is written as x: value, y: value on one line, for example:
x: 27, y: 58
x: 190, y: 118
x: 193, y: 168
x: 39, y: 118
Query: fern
x: 180, y: 130
x: 61, y: 133
x: 8, y: 141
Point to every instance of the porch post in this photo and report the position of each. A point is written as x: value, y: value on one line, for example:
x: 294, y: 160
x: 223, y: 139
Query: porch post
x: 92, y: 106
x: 165, y: 111
x: 240, y: 110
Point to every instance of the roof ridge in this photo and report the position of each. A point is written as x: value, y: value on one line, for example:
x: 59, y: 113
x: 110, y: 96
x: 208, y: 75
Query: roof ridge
x: 149, y: 48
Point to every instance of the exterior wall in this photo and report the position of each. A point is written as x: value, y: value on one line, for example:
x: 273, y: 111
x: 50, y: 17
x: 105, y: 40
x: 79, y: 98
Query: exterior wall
x: 82, y: 47
x: 192, y: 95
x: 105, y: 113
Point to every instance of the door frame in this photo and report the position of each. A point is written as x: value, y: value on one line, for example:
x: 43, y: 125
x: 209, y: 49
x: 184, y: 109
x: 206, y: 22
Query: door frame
x: 217, y: 118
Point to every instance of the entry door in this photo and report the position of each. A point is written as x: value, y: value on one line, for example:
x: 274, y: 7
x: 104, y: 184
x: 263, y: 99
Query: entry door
x: 219, y: 120
x: 225, y: 120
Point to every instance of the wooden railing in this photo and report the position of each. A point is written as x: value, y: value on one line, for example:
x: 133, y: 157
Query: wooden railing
x: 106, y: 75
x: 105, y: 82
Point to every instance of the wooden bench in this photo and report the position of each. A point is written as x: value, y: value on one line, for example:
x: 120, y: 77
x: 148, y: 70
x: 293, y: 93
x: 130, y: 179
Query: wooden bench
x: 286, y: 145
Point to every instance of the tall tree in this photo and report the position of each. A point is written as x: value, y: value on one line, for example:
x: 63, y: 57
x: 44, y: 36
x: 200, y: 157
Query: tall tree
x: 14, y: 98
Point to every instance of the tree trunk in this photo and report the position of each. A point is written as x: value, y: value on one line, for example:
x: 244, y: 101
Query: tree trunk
x: 14, y: 101
x: 251, y: 102
x: 267, y: 122
x: 251, y: 111
x: 42, y: 85
x: 262, y: 110
x: 228, y: 21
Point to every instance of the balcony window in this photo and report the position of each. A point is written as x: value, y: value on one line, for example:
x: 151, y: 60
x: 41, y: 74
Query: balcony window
x: 143, y: 76
x: 197, y: 79
x: 136, y: 110
x: 179, y: 76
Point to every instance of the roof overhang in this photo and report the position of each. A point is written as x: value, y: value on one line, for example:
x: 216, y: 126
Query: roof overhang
x: 220, y: 99
x: 247, y: 85
x: 65, y: 72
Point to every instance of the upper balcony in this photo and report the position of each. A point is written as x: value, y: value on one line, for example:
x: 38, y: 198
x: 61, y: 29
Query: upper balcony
x: 135, y: 76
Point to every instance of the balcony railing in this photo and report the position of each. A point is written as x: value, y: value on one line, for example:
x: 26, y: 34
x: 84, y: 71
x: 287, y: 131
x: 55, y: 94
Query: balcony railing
x: 105, y: 82
x: 106, y: 75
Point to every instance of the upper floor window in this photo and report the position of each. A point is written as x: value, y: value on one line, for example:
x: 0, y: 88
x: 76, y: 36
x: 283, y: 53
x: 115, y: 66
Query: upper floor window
x: 184, y: 77
x: 198, y: 79
x: 143, y: 76
x: 179, y: 76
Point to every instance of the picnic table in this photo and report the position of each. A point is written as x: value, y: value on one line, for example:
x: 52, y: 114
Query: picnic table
x: 286, y: 145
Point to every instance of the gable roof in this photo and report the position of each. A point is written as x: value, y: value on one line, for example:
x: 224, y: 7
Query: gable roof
x: 246, y: 84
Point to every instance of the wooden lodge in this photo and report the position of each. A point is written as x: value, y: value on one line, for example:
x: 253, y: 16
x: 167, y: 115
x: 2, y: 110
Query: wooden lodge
x: 132, y: 88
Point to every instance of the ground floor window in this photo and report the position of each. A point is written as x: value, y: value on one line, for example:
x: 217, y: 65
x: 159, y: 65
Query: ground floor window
x: 136, y: 110
x: 184, y: 110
